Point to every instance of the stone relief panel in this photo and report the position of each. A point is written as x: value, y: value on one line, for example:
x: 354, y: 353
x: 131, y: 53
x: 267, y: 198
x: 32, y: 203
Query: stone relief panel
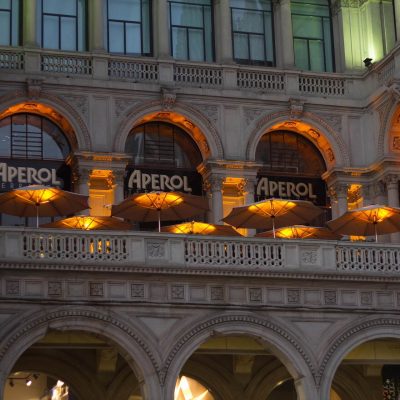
x: 79, y: 102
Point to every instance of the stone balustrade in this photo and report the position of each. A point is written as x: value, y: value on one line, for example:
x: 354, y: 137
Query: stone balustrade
x: 122, y: 250
x: 190, y: 74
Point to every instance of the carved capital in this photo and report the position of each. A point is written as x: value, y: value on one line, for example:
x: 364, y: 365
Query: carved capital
x: 81, y: 175
x: 216, y: 182
x: 338, y: 190
x: 391, y: 181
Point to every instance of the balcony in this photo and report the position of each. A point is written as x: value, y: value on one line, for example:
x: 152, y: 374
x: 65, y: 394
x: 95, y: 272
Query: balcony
x: 149, y: 252
x: 260, y: 80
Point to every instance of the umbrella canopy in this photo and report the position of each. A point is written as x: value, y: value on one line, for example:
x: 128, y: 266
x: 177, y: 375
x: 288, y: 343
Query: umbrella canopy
x: 201, y: 228
x: 88, y: 223
x: 301, y: 232
x: 272, y: 213
x: 367, y: 221
x: 160, y: 206
x: 41, y: 201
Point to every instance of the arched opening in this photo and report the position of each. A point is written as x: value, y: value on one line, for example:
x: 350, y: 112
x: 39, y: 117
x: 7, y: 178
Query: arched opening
x: 72, y: 365
x: 291, y: 168
x: 33, y: 151
x: 239, y: 366
x: 163, y: 157
x: 369, y: 371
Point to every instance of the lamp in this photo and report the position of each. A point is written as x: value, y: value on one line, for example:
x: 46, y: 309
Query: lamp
x: 28, y: 382
x: 367, y: 62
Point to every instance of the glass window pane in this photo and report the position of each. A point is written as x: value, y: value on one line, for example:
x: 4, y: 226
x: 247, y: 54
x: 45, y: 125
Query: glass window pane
x: 269, y: 40
x: 5, y: 138
x: 240, y: 46
x: 208, y: 33
x: 116, y: 37
x: 187, y: 15
x: 50, y: 148
x: 5, y: 4
x: 50, y: 32
x: 202, y: 2
x: 5, y: 38
x: 301, y: 54
x: 307, y: 27
x: 317, y: 55
x: 247, y: 21
x: 133, y: 44
x: 146, y: 27
x: 252, y: 4
x: 34, y: 123
x: 179, y: 41
x: 68, y: 34
x: 257, y: 48
x: 66, y: 7
x: 127, y: 10
x: 196, y: 45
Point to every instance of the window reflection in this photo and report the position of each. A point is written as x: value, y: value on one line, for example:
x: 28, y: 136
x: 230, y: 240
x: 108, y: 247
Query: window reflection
x: 312, y: 35
x: 129, y: 26
x: 252, y: 31
x: 63, y: 24
x: 9, y: 22
x: 191, y: 30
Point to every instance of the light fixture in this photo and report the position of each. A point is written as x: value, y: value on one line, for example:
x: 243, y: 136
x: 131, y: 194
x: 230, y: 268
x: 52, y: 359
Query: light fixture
x: 28, y: 382
x: 367, y: 62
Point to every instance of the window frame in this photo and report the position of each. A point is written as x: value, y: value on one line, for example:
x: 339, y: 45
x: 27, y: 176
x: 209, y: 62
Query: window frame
x: 323, y: 40
x: 141, y: 23
x: 76, y: 18
x: 250, y: 61
x: 187, y: 27
x: 12, y: 14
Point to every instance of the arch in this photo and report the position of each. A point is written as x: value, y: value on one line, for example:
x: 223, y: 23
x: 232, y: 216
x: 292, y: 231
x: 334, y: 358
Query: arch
x: 369, y: 329
x: 290, y: 350
x: 199, y: 127
x: 54, y: 108
x: 389, y: 133
x: 131, y: 344
x: 317, y: 130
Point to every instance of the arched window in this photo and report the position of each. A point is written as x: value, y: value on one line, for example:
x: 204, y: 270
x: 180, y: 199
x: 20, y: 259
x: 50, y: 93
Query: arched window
x: 312, y: 35
x: 285, y: 152
x: 31, y: 136
x: 159, y: 144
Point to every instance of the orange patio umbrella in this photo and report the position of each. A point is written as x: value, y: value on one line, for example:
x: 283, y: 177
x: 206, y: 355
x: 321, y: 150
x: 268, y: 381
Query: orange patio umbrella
x: 160, y: 206
x: 201, y: 228
x: 87, y: 223
x: 301, y: 232
x: 272, y: 213
x: 371, y: 220
x: 41, y: 201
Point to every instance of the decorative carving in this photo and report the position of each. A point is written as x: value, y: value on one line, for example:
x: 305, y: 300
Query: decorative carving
x: 96, y: 289
x: 250, y: 114
x: 338, y: 190
x: 335, y: 121
x: 293, y: 296
x: 217, y: 182
x: 296, y: 108
x: 155, y: 250
x: 217, y: 293
x: 177, y: 292
x: 255, y: 294
x: 33, y: 88
x: 168, y: 98
x: 188, y: 124
x: 122, y: 104
x: 314, y: 134
x: 391, y: 181
x: 309, y: 257
x: 79, y: 102
x: 396, y: 142
x: 12, y: 288
x: 330, y: 297
x: 331, y: 156
x: 137, y: 290
x: 366, y: 298
x: 54, y: 288
x: 210, y: 111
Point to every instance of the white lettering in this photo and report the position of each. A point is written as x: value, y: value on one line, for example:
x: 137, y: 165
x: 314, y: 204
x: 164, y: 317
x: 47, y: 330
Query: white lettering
x: 12, y: 173
x: 282, y: 191
x: 273, y: 186
x: 146, y: 179
x: 262, y: 187
x: 155, y: 182
x: 22, y: 175
x: 176, y: 182
x: 311, y: 195
x: 135, y: 180
x: 302, y: 189
x: 3, y: 172
x: 44, y: 175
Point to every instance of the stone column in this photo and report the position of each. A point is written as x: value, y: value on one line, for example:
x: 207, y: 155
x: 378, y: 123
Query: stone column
x: 29, y: 23
x: 216, y: 186
x: 392, y: 188
x: 81, y: 178
x: 161, y: 29
x: 339, y: 192
x: 97, y: 26
x: 368, y: 193
x: 223, y: 32
x: 286, y: 33
x: 118, y: 185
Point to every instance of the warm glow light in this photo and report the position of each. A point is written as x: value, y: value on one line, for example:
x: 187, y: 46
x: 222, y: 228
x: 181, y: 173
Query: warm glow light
x: 375, y: 215
x: 189, y: 389
x: 193, y: 228
x: 81, y: 222
x: 354, y: 238
x: 158, y: 200
x: 272, y: 208
x: 39, y: 196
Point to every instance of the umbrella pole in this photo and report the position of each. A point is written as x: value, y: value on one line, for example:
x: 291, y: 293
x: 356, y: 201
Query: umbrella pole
x: 376, y: 232
x: 159, y: 220
x: 273, y: 225
x: 37, y: 215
